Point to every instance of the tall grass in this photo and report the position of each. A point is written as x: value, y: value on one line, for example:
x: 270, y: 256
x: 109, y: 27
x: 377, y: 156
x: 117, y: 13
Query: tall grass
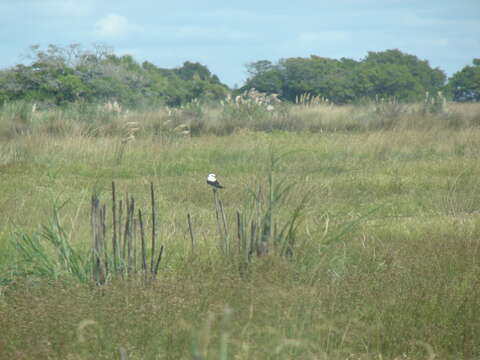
x: 373, y: 253
x: 195, y: 119
x: 48, y: 254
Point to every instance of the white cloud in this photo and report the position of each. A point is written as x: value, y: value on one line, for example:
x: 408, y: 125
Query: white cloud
x: 112, y: 26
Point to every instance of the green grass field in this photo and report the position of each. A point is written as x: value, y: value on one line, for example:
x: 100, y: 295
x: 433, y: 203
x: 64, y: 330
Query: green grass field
x: 384, y: 263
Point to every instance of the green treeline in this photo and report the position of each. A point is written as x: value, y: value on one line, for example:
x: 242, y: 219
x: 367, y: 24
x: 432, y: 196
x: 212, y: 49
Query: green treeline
x: 60, y: 75
x: 387, y: 74
x: 63, y: 75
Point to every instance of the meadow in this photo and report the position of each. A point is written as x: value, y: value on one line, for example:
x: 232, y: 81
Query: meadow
x: 368, y: 222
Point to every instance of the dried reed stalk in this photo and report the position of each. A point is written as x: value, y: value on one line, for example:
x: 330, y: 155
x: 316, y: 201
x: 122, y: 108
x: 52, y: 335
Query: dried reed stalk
x: 159, y: 259
x: 119, y: 241
x: 253, y: 238
x: 190, y: 229
x: 142, y: 240
x: 217, y: 216
x: 103, y: 215
x: 152, y: 196
x: 98, y: 271
x: 225, y: 229
x: 129, y: 234
x: 114, y: 225
x: 125, y: 230
x: 124, y: 254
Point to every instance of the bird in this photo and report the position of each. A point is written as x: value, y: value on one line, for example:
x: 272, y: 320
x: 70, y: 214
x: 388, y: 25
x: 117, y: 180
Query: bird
x: 212, y: 181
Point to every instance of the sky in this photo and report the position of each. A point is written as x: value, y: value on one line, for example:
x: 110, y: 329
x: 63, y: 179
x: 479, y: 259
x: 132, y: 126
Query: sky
x: 227, y: 35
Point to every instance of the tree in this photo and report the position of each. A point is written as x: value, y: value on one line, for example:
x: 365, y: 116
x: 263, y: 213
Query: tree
x: 190, y: 69
x: 428, y: 79
x: 387, y: 81
x: 464, y: 85
x: 265, y: 77
x: 387, y: 74
x: 60, y: 75
x: 293, y: 77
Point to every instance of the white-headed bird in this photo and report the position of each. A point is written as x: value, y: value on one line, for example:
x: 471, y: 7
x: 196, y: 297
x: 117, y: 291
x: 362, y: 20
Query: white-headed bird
x: 212, y: 181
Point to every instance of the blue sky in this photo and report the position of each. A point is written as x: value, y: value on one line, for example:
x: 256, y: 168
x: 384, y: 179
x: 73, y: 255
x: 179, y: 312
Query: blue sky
x: 226, y: 35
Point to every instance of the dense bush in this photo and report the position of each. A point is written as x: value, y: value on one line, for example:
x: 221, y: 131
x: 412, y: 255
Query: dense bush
x: 464, y: 85
x: 63, y: 75
x: 387, y: 74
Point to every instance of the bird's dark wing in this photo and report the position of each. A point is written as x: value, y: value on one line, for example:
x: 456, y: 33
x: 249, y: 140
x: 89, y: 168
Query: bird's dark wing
x: 215, y: 184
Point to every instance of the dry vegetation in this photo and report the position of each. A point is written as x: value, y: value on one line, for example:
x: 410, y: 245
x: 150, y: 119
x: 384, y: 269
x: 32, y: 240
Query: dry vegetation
x: 384, y: 263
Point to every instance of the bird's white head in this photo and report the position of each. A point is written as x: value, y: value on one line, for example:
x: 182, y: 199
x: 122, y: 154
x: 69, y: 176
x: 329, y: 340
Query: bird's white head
x: 212, y: 177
